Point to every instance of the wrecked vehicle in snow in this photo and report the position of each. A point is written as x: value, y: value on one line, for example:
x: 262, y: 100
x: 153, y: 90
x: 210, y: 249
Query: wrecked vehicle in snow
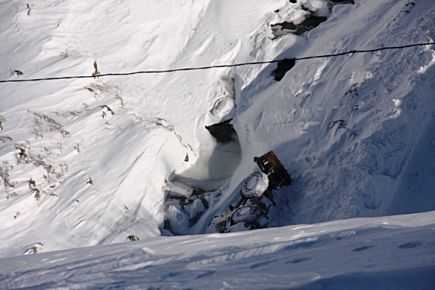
x: 272, y: 167
x: 186, y: 205
x: 256, y: 196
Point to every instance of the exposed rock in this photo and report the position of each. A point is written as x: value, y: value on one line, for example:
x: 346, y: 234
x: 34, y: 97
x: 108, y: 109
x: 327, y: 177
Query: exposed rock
x: 310, y: 22
x: 283, y: 67
x: 313, y: 17
x: 223, y: 132
x: 132, y: 238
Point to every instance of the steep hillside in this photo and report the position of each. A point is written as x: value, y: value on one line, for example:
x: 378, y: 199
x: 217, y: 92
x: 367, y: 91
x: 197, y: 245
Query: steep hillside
x: 87, y: 162
x: 349, y: 127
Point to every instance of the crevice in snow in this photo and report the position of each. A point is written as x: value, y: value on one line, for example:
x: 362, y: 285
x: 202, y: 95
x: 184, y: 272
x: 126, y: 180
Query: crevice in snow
x: 192, y: 189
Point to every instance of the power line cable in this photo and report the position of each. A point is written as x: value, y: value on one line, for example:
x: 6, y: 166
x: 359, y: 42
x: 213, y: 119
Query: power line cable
x: 355, y: 51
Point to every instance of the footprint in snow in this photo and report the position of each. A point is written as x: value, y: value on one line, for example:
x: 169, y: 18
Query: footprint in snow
x: 298, y: 260
x: 205, y: 274
x: 363, y: 248
x: 172, y: 275
x: 261, y: 264
x: 410, y: 245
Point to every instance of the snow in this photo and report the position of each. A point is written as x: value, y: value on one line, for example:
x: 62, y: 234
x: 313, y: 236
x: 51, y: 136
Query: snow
x: 375, y: 253
x: 87, y: 162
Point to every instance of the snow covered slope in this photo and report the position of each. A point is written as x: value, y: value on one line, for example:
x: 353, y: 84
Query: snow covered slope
x: 86, y: 162
x: 348, y: 127
x: 376, y: 253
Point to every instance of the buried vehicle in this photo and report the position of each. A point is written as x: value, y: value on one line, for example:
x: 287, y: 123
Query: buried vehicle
x: 256, y: 197
x: 270, y: 165
x: 185, y: 205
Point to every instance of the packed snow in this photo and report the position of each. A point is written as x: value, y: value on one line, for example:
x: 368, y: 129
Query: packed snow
x: 100, y: 162
x: 376, y: 253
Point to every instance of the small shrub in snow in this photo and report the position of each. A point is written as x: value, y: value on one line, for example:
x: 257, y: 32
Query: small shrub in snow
x: 4, y: 175
x: 34, y: 249
x: 37, y: 194
x: 29, y: 9
x: 132, y: 238
x: 96, y: 71
x: 32, y: 183
x: 11, y: 195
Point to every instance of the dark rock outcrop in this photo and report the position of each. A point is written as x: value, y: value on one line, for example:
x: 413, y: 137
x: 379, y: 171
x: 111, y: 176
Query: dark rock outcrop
x: 283, y: 67
x: 223, y: 132
x: 308, y: 24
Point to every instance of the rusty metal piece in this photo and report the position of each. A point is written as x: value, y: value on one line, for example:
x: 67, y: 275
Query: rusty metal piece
x: 270, y: 165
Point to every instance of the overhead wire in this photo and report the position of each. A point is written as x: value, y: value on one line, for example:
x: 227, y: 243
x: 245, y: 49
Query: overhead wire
x: 183, y: 69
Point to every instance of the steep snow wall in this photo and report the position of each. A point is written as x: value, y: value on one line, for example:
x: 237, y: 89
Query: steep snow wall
x: 355, y: 132
x: 348, y: 127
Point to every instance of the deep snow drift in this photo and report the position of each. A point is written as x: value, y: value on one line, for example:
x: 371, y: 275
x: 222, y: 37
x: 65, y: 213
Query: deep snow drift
x: 87, y: 162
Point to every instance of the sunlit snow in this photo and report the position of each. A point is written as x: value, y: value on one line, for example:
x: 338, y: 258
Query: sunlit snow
x: 86, y: 164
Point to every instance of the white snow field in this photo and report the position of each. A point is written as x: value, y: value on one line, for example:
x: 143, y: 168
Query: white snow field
x: 376, y: 253
x: 88, y: 162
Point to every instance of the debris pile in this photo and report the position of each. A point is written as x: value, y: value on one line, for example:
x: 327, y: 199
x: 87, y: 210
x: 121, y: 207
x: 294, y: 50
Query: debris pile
x: 185, y: 205
x: 256, y: 196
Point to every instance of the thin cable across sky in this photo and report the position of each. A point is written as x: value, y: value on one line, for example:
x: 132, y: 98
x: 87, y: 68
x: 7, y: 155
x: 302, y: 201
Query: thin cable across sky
x: 181, y: 69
